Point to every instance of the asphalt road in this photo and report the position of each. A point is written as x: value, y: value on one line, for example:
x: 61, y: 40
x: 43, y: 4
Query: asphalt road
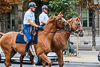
x: 56, y: 65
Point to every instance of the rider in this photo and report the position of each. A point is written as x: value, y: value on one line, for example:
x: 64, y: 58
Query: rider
x: 29, y: 20
x: 43, y: 17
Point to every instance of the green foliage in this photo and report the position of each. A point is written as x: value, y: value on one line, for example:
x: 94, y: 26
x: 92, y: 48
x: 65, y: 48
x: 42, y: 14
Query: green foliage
x: 65, y: 6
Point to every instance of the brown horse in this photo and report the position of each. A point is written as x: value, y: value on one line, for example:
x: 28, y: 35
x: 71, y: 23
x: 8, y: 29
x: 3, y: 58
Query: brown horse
x: 10, y: 47
x: 61, y: 37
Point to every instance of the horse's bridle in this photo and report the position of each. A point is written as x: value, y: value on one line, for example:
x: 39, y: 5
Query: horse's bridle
x: 56, y: 25
x: 68, y: 29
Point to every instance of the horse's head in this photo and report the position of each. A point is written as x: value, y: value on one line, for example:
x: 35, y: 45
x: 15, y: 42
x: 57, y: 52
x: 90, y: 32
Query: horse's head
x: 58, y: 21
x: 75, y: 26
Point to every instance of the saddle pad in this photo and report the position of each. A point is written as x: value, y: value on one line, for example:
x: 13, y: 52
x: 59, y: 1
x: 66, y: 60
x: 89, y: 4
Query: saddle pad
x: 20, y: 38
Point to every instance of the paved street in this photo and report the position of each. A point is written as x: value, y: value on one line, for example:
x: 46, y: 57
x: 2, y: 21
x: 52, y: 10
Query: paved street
x: 56, y: 65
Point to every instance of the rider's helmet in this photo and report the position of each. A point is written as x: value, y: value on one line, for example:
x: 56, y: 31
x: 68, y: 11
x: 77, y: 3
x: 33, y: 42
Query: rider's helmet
x: 44, y: 7
x: 32, y: 4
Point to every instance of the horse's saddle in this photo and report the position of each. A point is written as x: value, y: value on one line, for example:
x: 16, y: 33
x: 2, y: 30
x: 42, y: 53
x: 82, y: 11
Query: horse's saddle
x: 21, y: 37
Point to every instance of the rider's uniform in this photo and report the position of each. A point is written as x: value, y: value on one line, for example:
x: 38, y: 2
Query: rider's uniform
x: 43, y: 17
x: 28, y: 15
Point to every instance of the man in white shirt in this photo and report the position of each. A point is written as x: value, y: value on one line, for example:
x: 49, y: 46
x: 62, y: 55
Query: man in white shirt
x: 43, y: 17
x: 29, y: 21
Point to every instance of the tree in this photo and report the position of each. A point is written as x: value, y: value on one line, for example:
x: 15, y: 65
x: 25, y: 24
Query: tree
x: 89, y: 4
x: 4, y: 9
x: 67, y: 7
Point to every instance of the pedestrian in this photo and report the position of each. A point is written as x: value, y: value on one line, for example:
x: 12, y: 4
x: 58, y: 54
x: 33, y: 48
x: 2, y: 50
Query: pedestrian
x: 43, y: 17
x: 29, y: 21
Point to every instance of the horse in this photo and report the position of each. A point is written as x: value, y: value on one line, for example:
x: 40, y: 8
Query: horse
x: 61, y: 36
x: 10, y: 47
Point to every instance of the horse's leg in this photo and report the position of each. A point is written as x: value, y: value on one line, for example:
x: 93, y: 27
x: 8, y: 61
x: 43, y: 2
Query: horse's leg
x: 46, y: 59
x: 43, y: 63
x: 8, y: 55
x: 8, y: 59
x: 32, y: 60
x: 13, y: 52
x: 21, y: 60
x: 60, y: 58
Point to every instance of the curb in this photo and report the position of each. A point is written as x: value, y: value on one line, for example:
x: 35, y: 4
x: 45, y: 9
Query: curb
x: 82, y: 62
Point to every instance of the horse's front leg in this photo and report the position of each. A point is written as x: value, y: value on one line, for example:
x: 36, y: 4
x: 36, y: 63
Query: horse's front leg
x: 21, y: 60
x: 46, y: 59
x: 43, y: 63
x: 60, y: 58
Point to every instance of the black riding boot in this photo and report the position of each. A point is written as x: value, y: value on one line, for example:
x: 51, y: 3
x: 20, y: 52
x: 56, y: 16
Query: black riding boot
x: 27, y: 46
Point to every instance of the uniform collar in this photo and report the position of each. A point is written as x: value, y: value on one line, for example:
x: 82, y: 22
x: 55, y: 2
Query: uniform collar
x: 30, y: 11
x: 43, y: 13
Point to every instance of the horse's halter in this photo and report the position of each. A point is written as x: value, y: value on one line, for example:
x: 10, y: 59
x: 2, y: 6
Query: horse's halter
x: 69, y: 27
x: 78, y: 26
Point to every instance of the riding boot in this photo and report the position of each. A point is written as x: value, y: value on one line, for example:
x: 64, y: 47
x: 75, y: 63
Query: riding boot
x: 27, y: 46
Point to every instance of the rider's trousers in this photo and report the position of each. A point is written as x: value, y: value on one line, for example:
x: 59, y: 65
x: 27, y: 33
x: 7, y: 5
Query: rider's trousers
x: 27, y: 32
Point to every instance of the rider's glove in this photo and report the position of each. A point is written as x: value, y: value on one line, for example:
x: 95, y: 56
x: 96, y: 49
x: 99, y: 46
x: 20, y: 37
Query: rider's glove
x: 40, y: 27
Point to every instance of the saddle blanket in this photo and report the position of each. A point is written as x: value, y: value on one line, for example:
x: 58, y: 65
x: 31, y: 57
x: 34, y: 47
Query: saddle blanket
x: 20, y: 38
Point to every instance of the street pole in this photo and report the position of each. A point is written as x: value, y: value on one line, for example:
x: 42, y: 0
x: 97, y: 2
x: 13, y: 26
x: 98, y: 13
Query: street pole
x: 77, y: 45
x: 93, y: 32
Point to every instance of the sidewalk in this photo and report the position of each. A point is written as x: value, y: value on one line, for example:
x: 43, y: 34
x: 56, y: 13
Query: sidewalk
x: 82, y: 59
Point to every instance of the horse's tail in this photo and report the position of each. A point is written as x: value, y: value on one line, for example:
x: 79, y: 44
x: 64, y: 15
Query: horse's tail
x: 1, y: 33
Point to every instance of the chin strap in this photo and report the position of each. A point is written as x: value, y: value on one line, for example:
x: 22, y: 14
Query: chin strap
x: 31, y: 9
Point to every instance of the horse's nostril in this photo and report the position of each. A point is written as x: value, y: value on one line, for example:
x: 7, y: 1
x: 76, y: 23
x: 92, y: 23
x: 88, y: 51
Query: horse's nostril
x: 81, y: 34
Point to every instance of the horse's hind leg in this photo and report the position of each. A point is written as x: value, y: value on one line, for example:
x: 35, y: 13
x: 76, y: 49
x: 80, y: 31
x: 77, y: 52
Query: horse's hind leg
x: 45, y: 58
x: 8, y: 59
x: 8, y: 56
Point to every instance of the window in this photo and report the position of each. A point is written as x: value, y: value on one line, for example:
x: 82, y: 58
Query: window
x: 11, y: 20
x: 87, y: 18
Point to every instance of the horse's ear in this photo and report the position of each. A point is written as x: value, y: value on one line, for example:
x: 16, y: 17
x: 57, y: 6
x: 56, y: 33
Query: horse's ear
x: 60, y: 14
x: 70, y: 20
x: 54, y: 17
x: 49, y: 19
x: 79, y: 16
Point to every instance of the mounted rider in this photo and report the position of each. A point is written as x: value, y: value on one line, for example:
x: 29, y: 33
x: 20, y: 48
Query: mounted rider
x: 43, y: 17
x: 29, y: 21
